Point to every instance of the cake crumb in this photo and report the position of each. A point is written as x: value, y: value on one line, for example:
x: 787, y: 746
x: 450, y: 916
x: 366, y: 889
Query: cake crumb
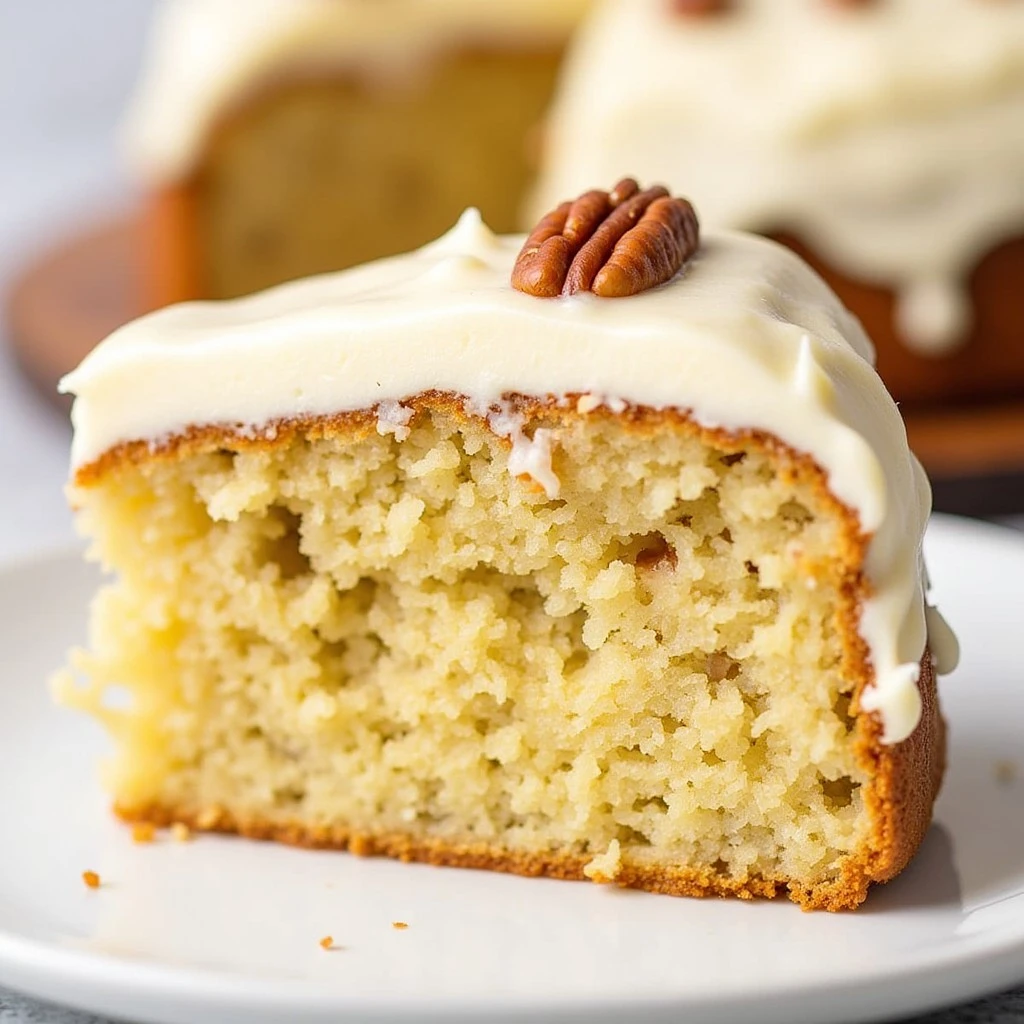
x: 180, y: 832
x: 1005, y: 772
x: 91, y: 879
x: 399, y: 925
x: 605, y: 867
x: 394, y: 418
x: 208, y: 817
x: 327, y: 942
x: 143, y: 832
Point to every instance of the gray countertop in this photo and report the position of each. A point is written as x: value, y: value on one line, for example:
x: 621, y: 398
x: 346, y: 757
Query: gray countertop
x: 65, y: 67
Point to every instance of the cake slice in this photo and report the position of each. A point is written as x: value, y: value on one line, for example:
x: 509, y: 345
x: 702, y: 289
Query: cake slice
x: 881, y: 141
x: 594, y: 556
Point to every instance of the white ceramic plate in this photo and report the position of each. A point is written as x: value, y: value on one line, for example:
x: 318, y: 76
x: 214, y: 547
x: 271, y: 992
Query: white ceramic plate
x: 220, y: 930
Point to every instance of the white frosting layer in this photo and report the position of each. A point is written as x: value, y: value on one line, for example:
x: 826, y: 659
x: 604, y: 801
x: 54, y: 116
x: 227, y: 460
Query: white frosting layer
x: 890, y: 137
x: 746, y: 337
x: 204, y: 55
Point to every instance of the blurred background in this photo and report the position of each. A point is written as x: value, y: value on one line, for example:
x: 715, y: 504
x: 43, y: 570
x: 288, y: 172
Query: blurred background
x: 66, y: 68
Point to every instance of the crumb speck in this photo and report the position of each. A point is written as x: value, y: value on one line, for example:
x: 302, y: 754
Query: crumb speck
x: 143, y: 832
x: 399, y: 925
x: 605, y: 867
x: 91, y: 879
x: 327, y: 942
x: 181, y: 832
x: 1005, y: 772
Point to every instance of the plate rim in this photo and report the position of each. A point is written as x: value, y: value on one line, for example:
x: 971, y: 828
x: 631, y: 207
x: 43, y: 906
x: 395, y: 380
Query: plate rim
x: 990, y: 962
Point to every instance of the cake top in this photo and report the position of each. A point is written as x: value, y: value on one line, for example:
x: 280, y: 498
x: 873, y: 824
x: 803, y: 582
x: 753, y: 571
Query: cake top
x: 206, y: 55
x: 744, y: 336
x: 887, y: 134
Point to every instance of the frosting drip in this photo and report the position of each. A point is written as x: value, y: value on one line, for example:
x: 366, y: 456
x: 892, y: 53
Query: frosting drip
x: 747, y: 337
x: 888, y: 136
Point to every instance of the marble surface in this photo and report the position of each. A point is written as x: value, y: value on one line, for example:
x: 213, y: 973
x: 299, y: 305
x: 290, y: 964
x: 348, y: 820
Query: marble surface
x: 65, y: 67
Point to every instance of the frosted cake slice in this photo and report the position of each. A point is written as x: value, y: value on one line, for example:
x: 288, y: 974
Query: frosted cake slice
x: 596, y: 555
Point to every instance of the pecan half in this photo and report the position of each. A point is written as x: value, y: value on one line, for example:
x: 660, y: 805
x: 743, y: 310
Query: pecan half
x: 614, y: 243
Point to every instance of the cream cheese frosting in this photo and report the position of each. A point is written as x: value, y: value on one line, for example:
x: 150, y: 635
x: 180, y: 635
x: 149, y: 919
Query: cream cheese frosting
x: 747, y: 336
x: 890, y: 136
x: 206, y: 55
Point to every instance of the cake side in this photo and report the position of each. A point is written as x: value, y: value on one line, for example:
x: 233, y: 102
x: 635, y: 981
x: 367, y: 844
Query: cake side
x: 203, y: 59
x: 326, y: 170
x: 694, y: 505
x: 169, y: 233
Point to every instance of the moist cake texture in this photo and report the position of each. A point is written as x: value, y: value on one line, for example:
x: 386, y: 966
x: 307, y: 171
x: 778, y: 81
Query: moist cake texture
x: 412, y: 563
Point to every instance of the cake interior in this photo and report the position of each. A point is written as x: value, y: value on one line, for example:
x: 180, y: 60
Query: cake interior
x: 336, y: 634
x: 325, y: 173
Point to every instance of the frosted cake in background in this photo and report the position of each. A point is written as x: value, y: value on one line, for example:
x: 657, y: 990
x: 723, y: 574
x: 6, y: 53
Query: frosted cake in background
x: 882, y: 140
x: 280, y: 138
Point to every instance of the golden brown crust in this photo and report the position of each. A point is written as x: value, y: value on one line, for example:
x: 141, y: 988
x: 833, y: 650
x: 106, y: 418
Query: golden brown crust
x: 171, y: 247
x: 904, y: 778
x: 672, y: 881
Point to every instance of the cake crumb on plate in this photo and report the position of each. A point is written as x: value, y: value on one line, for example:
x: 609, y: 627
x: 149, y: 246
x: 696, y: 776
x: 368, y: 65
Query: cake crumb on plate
x: 605, y: 867
x: 143, y: 832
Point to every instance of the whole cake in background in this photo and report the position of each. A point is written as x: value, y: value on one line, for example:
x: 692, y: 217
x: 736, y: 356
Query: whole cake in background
x: 882, y: 140
x: 595, y: 555
x: 281, y: 138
